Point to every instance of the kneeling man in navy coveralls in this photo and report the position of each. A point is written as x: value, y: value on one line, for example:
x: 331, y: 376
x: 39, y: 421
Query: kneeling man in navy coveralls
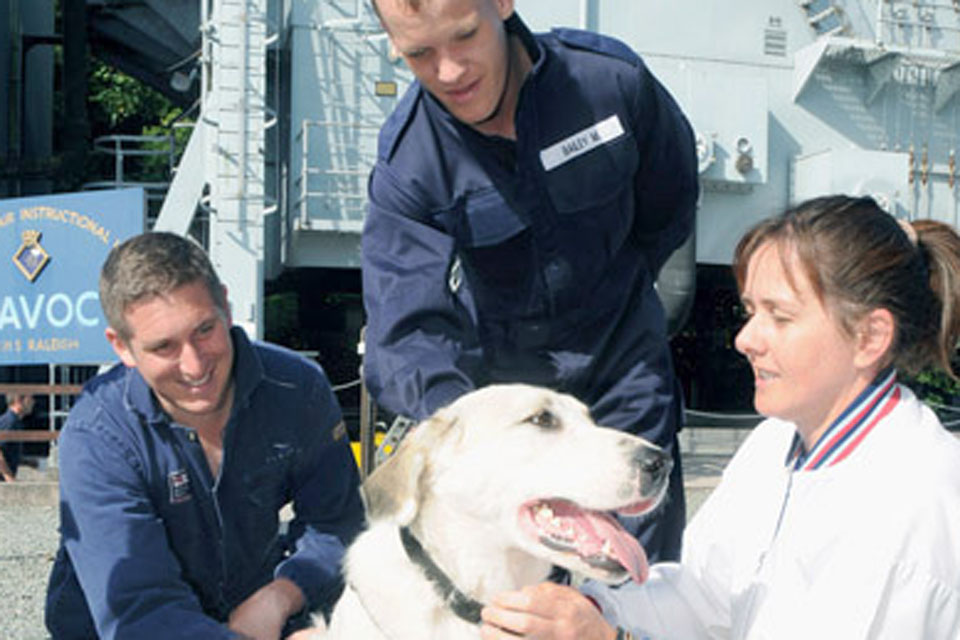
x: 174, y: 466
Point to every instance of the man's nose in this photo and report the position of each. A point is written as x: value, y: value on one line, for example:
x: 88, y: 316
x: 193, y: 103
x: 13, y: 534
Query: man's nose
x: 191, y: 362
x: 449, y: 69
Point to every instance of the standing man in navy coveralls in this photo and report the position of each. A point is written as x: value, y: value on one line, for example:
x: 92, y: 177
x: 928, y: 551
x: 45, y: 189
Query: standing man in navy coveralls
x: 527, y: 191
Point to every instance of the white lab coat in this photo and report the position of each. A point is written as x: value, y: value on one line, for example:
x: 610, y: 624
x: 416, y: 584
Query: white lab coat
x: 867, y: 548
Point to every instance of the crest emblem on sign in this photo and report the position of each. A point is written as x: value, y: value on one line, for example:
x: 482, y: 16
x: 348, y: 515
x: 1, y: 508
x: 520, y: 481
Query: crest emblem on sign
x: 30, y: 257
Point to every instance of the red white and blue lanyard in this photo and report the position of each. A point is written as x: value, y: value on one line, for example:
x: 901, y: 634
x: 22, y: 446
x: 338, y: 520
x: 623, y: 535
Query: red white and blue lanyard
x: 850, y: 428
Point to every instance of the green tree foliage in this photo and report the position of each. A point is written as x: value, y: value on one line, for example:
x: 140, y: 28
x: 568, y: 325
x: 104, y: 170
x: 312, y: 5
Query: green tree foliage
x: 935, y: 387
x: 122, y: 105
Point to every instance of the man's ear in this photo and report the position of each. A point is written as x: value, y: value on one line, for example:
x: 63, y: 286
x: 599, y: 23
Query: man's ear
x: 228, y: 311
x: 120, y: 347
x: 504, y: 8
x: 874, y: 338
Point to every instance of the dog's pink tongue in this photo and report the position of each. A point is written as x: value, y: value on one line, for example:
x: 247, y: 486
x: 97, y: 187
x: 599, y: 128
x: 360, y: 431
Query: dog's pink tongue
x: 602, y: 527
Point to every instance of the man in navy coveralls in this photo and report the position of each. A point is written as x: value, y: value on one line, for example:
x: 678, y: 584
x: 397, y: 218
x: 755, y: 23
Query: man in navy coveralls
x: 527, y: 191
x: 175, y: 463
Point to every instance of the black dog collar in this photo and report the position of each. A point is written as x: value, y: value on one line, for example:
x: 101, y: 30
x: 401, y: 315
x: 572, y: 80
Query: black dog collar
x: 461, y: 604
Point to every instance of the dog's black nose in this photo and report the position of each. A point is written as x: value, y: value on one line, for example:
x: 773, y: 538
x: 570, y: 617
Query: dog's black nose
x: 654, y: 465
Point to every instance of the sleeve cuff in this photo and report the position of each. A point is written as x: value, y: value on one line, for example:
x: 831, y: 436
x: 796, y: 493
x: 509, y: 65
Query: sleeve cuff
x: 599, y: 594
x: 441, y: 395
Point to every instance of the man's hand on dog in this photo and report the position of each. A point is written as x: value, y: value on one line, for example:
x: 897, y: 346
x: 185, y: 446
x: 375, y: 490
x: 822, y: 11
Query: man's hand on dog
x: 545, y: 611
x: 263, y: 614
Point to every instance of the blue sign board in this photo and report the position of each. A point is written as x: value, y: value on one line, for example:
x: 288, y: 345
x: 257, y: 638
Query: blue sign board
x: 53, y: 247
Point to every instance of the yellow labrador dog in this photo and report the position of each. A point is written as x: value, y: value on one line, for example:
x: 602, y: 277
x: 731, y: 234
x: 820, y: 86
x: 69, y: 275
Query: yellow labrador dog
x: 484, y: 497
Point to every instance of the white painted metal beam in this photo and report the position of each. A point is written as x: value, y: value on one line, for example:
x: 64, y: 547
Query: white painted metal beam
x: 182, y: 198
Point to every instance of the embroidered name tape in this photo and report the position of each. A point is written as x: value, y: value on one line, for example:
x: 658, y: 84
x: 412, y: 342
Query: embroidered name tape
x: 581, y: 142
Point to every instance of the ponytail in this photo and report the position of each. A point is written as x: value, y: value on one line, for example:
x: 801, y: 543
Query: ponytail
x: 939, y: 245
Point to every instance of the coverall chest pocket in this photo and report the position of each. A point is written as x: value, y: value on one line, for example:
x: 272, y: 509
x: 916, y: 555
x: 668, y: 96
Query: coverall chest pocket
x: 593, y: 196
x: 496, y: 248
x: 265, y: 485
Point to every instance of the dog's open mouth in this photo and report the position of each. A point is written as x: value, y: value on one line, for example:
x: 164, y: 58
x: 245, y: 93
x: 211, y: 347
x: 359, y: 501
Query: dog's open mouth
x: 594, y: 536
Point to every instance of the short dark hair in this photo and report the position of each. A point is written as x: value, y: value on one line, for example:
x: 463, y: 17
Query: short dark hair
x: 150, y: 265
x: 859, y: 258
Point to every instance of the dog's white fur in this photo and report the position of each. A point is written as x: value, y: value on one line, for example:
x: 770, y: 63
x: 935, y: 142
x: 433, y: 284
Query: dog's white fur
x: 458, y: 482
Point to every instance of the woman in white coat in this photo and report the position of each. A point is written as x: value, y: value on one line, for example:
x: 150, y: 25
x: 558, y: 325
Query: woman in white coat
x: 839, y: 517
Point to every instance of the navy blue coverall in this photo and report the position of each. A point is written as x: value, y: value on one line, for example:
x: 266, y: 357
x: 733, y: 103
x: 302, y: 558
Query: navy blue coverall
x: 154, y: 546
x: 12, y: 451
x: 492, y: 260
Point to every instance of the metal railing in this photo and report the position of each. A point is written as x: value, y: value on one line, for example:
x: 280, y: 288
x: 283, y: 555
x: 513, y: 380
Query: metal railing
x: 123, y: 148
x: 334, y: 197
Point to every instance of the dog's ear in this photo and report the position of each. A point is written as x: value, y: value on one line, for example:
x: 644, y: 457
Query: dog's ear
x: 393, y: 490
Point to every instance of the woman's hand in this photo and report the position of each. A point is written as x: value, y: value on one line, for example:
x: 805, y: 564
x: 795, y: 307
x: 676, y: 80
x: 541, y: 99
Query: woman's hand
x: 546, y: 611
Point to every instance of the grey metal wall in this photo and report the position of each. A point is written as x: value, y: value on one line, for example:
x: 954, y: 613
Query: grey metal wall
x: 855, y: 96
x: 788, y: 99
x: 343, y: 86
x: 5, y: 36
x: 25, y: 102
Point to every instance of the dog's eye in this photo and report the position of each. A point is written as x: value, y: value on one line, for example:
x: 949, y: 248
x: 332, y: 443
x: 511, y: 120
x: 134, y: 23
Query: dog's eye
x: 544, y: 419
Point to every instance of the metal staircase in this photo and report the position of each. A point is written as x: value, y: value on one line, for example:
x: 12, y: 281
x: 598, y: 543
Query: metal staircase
x: 224, y: 166
x: 338, y: 150
x: 234, y: 110
x: 343, y: 86
x: 825, y: 17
